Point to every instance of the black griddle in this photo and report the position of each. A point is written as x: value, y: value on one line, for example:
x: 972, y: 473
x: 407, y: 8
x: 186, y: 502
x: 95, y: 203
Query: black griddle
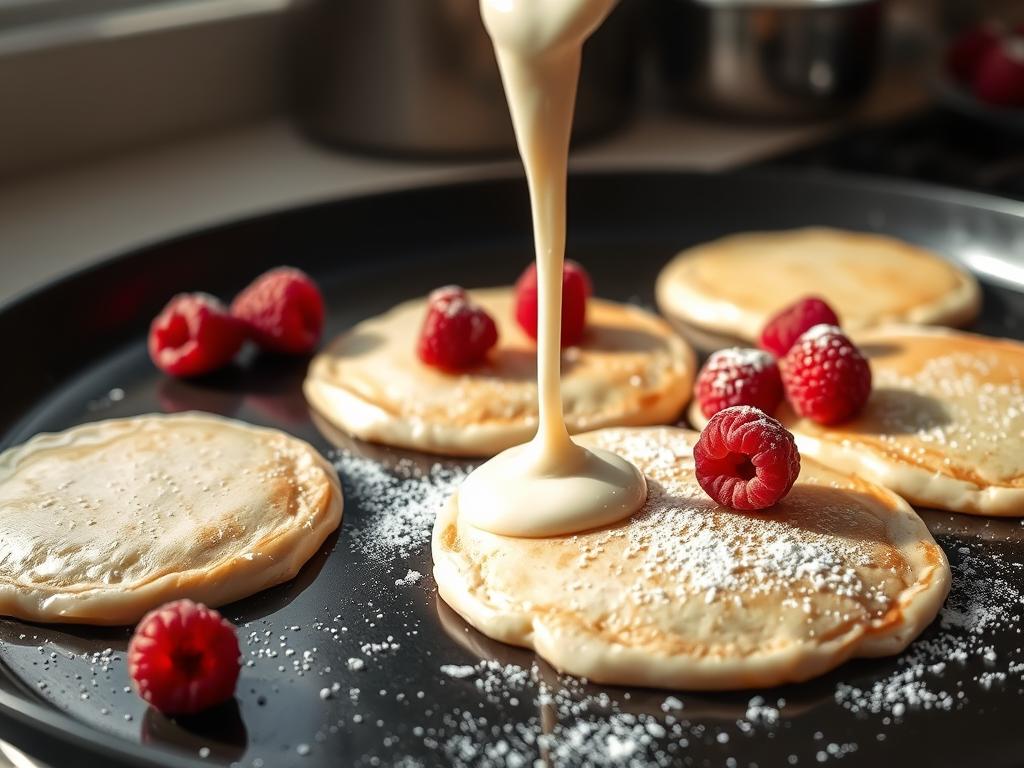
x: 74, y: 351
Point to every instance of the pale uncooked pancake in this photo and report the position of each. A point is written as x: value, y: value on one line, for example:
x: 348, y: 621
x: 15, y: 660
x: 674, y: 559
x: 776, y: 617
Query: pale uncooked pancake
x: 632, y: 369
x: 734, y: 285
x: 686, y: 594
x: 103, y: 522
x: 944, y: 426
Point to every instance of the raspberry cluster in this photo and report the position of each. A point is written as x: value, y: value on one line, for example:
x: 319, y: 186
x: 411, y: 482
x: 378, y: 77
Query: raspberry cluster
x: 281, y: 310
x: 745, y: 459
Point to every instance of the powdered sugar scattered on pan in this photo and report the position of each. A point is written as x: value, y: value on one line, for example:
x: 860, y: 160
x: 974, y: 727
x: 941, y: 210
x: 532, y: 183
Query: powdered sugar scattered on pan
x: 399, y: 503
x: 984, y: 603
x: 566, y: 722
x: 442, y: 699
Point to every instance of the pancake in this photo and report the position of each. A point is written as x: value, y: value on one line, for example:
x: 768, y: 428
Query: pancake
x: 734, y: 285
x: 689, y: 595
x: 632, y: 369
x: 944, y: 426
x: 103, y: 522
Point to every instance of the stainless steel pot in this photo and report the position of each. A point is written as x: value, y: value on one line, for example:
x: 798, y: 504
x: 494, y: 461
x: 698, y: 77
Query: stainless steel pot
x: 419, y: 76
x: 777, y: 59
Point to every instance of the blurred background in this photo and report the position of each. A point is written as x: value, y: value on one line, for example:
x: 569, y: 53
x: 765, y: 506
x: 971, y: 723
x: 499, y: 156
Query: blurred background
x: 124, y: 121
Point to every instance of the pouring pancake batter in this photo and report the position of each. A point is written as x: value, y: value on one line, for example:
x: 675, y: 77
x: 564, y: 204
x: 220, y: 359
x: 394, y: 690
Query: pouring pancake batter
x: 551, y: 485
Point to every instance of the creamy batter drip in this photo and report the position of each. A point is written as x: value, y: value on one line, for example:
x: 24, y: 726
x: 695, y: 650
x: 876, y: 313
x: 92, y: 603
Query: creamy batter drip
x: 551, y: 485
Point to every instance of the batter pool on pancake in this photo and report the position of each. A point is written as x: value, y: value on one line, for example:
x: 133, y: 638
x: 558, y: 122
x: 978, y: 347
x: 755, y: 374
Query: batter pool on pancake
x: 686, y: 594
x: 732, y: 286
x: 108, y: 520
x: 632, y: 369
x: 944, y: 426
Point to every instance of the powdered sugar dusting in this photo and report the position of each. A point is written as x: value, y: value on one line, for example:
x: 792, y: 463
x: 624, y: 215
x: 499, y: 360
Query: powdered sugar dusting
x: 754, y: 359
x: 952, y: 413
x: 400, y: 503
x: 411, y: 577
x: 983, y: 604
x: 821, y: 334
x: 685, y: 545
x: 570, y: 723
x: 738, y: 376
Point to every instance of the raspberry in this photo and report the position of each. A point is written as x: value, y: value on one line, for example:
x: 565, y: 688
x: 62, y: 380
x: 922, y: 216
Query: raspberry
x: 194, y: 334
x: 184, y: 658
x: 969, y: 48
x: 576, y: 289
x: 825, y: 376
x: 456, y: 333
x: 739, y: 377
x: 745, y: 459
x: 283, y: 310
x: 785, y: 327
x: 1000, y: 76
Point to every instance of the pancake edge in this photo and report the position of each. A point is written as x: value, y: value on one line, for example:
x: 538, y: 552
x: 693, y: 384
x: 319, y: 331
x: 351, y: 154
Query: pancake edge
x: 916, y: 484
x: 679, y: 302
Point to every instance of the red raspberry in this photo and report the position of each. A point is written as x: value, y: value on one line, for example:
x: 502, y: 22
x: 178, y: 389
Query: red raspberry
x: 825, y: 376
x: 969, y: 48
x: 739, y: 377
x: 1000, y: 76
x: 456, y: 333
x: 284, y: 311
x: 745, y: 459
x: 184, y: 658
x: 785, y: 327
x: 576, y: 289
x: 194, y: 334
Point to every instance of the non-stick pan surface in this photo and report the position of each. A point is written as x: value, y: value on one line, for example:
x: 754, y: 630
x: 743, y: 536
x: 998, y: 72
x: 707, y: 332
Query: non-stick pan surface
x: 74, y: 352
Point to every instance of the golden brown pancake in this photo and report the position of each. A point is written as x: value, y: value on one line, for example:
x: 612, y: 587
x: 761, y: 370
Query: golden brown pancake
x: 103, y: 522
x: 687, y: 594
x: 631, y: 369
x: 944, y: 427
x: 731, y: 287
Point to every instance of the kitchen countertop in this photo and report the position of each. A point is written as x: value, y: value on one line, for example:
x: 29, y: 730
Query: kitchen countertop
x: 57, y: 222
x: 61, y: 220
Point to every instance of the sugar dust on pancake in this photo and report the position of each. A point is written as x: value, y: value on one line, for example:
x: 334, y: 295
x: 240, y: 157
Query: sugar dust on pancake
x: 691, y: 595
x: 944, y: 426
x: 108, y: 520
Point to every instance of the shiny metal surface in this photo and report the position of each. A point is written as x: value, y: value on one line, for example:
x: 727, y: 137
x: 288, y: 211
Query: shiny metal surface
x: 367, y: 253
x: 777, y: 59
x: 12, y: 757
x: 420, y: 77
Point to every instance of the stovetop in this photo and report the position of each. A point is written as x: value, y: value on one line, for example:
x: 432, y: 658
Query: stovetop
x: 934, y: 145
